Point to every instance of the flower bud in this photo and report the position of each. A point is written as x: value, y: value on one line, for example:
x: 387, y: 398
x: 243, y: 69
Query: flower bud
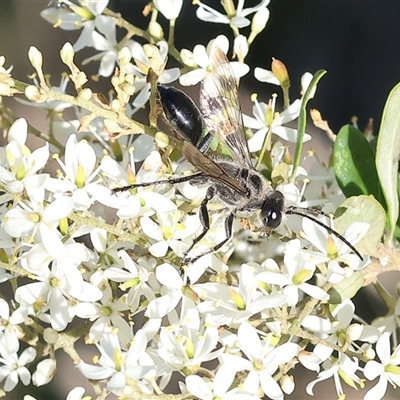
x: 33, y: 93
x: 187, y: 58
x: 280, y: 71
x: 67, y: 53
x: 44, y: 373
x: 112, y: 126
x: 35, y: 57
x: 260, y: 20
x: 240, y: 47
x: 85, y: 95
x: 354, y: 331
x: 124, y: 56
x: 287, y: 384
x: 156, y: 30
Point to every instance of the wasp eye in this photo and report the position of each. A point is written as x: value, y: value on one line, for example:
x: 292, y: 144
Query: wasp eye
x: 271, y: 212
x: 273, y: 219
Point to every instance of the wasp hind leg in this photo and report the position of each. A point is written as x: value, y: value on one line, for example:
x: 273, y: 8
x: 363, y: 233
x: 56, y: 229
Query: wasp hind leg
x: 204, y: 217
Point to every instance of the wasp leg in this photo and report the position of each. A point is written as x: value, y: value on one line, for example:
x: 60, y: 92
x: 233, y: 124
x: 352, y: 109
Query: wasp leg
x: 228, y: 231
x: 205, y: 222
x: 171, y: 181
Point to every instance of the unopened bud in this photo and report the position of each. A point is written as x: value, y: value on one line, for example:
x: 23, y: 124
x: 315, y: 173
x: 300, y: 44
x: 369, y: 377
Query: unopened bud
x: 369, y: 353
x: 260, y: 20
x: 280, y: 71
x: 240, y: 47
x: 35, y: 57
x: 287, y: 384
x: 44, y: 373
x: 50, y: 335
x: 111, y: 126
x: 124, y: 56
x: 85, y: 94
x: 115, y: 105
x: 156, y: 30
x: 187, y: 58
x: 33, y: 93
x: 67, y: 53
x: 229, y: 8
x: 354, y: 331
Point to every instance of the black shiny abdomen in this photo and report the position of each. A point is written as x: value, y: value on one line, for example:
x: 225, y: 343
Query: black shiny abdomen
x: 182, y: 113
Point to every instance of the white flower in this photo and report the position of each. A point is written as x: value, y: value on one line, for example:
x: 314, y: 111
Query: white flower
x: 55, y: 293
x: 44, y: 373
x: 117, y: 365
x: 266, y: 120
x: 39, y: 219
x: 133, y: 276
x: 343, y: 368
x: 107, y: 316
x: 263, y: 359
x: 142, y: 201
x: 169, y: 8
x: 220, y: 388
x: 388, y: 369
x: 201, y: 56
x: 234, y: 17
x: 19, y: 165
x: 171, y: 292
x: 169, y: 232
x: 299, y: 271
x: 334, y: 330
x: 141, y: 69
x: 332, y: 250
x: 80, y: 171
x: 188, y: 347
x: 230, y: 305
x: 9, y: 325
x: 87, y: 16
x: 108, y: 47
x: 13, y: 366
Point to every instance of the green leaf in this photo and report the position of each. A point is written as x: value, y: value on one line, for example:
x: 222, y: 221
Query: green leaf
x: 347, y: 288
x: 354, y: 164
x: 387, y: 158
x: 362, y: 209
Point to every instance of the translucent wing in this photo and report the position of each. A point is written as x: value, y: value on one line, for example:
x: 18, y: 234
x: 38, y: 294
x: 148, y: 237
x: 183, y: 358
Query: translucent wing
x: 210, y: 168
x: 220, y: 106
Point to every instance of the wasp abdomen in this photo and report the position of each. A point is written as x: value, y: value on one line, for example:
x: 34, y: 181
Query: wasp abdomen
x: 181, y: 113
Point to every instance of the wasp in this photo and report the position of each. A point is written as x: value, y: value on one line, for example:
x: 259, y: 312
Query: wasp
x: 233, y: 180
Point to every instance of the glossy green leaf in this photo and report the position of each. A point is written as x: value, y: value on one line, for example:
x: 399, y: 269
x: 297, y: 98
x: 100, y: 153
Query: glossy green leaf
x: 387, y: 158
x: 354, y: 164
x: 362, y: 209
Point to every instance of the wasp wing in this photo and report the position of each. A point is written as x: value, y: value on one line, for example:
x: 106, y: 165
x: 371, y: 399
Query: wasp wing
x: 210, y: 168
x: 220, y: 106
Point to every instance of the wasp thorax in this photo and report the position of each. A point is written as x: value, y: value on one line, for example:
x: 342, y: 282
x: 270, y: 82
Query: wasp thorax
x: 272, y: 210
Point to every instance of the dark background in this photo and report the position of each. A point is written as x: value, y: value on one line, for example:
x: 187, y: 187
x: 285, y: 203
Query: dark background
x: 357, y: 42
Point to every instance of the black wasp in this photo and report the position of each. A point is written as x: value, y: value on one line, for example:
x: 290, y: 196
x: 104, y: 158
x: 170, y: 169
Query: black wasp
x: 233, y: 180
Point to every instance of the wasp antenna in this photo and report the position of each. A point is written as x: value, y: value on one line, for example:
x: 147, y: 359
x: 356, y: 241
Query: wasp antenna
x: 294, y: 211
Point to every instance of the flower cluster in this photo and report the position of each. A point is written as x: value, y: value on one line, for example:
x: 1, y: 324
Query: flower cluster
x: 74, y: 248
